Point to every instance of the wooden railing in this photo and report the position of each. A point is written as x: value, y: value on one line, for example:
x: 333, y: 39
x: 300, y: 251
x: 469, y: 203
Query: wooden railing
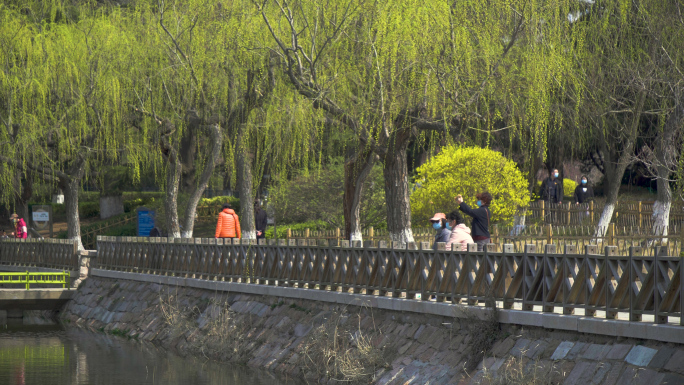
x: 593, y: 281
x: 90, y: 233
x: 623, y: 237
x: 627, y: 213
x: 48, y: 253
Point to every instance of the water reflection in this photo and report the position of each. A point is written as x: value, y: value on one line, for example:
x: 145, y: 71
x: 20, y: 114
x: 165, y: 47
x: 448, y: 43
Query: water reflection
x: 47, y: 355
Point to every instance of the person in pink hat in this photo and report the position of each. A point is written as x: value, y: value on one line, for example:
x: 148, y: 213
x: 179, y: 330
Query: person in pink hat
x: 20, y: 224
x: 439, y: 224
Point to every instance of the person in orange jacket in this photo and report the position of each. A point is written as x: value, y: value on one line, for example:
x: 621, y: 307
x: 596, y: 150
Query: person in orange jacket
x: 228, y: 225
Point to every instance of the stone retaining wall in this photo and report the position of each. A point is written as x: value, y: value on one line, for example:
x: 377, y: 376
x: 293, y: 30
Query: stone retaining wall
x: 290, y: 336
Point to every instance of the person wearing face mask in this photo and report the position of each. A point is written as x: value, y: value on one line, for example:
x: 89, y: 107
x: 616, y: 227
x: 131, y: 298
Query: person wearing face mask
x: 583, y: 192
x: 552, y: 188
x: 20, y: 225
x: 460, y: 233
x: 481, y: 218
x: 439, y: 224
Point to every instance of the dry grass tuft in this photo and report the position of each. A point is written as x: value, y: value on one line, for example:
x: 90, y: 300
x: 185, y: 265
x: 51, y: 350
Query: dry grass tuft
x: 514, y: 372
x: 341, y: 351
x: 214, y: 332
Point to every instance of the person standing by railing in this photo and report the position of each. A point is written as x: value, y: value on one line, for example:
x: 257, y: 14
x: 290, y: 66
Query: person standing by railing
x: 460, y: 233
x: 583, y: 192
x: 552, y: 188
x: 228, y: 225
x: 260, y: 220
x: 552, y: 192
x: 481, y: 218
x: 20, y: 225
x: 583, y: 195
x: 439, y: 224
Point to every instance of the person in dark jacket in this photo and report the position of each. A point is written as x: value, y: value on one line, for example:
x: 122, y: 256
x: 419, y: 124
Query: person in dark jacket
x: 552, y: 188
x: 155, y: 232
x: 439, y: 224
x: 583, y: 192
x: 260, y: 220
x: 482, y: 216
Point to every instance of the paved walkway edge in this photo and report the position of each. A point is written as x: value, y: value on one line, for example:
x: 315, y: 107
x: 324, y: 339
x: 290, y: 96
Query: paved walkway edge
x: 616, y: 328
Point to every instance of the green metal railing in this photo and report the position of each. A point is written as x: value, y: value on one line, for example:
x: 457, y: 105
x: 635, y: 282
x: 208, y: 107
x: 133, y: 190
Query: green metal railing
x: 35, y: 278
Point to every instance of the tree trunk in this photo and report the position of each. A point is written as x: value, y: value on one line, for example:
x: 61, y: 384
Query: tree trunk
x: 173, y: 174
x: 612, y: 188
x: 665, y: 157
x: 356, y: 171
x: 24, y: 187
x: 196, y: 195
x: 71, y: 188
x: 519, y: 220
x: 187, y: 152
x: 614, y: 172
x: 395, y: 172
x: 245, y: 187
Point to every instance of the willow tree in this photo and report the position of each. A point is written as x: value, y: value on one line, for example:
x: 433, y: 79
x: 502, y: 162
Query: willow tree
x: 60, y: 98
x: 388, y: 71
x: 662, y: 31
x: 361, y: 64
x: 197, y: 75
x: 503, y: 71
x: 624, y: 68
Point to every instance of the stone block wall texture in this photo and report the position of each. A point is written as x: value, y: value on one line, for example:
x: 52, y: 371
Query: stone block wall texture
x: 277, y: 334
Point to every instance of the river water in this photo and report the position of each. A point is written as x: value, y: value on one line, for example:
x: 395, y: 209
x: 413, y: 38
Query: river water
x: 51, y: 355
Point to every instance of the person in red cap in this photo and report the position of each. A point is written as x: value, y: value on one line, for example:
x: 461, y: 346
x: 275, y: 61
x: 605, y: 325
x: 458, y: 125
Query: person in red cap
x: 439, y: 224
x: 21, y: 231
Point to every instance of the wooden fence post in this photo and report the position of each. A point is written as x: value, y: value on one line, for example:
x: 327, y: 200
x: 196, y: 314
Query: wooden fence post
x: 591, y: 210
x: 371, y: 233
x: 569, y: 211
x: 640, y: 220
x: 306, y: 233
x: 288, y: 234
x: 549, y: 234
x: 611, y: 234
x: 337, y: 233
x: 543, y: 212
x: 495, y: 238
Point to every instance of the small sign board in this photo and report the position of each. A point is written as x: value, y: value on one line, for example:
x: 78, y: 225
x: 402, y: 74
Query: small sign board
x: 145, y: 221
x: 41, y: 218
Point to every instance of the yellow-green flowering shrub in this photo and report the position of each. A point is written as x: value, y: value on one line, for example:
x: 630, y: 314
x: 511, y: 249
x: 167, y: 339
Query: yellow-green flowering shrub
x: 468, y: 171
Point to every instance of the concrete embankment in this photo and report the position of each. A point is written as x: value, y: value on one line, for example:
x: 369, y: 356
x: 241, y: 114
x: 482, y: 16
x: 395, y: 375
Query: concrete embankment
x: 329, y: 342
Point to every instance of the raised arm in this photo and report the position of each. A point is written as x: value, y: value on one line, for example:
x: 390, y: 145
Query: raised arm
x: 466, y: 209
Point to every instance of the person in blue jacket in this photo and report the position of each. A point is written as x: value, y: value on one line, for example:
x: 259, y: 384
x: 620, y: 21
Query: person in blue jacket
x: 482, y: 217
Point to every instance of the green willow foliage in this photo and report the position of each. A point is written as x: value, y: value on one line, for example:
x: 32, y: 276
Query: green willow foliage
x: 205, y: 68
x: 59, y: 74
x: 83, y: 80
x: 61, y: 93
x: 505, y: 64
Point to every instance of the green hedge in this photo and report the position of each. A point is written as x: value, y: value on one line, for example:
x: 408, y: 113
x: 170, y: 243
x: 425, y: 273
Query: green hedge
x: 220, y: 200
x: 91, y: 209
x: 311, y: 225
